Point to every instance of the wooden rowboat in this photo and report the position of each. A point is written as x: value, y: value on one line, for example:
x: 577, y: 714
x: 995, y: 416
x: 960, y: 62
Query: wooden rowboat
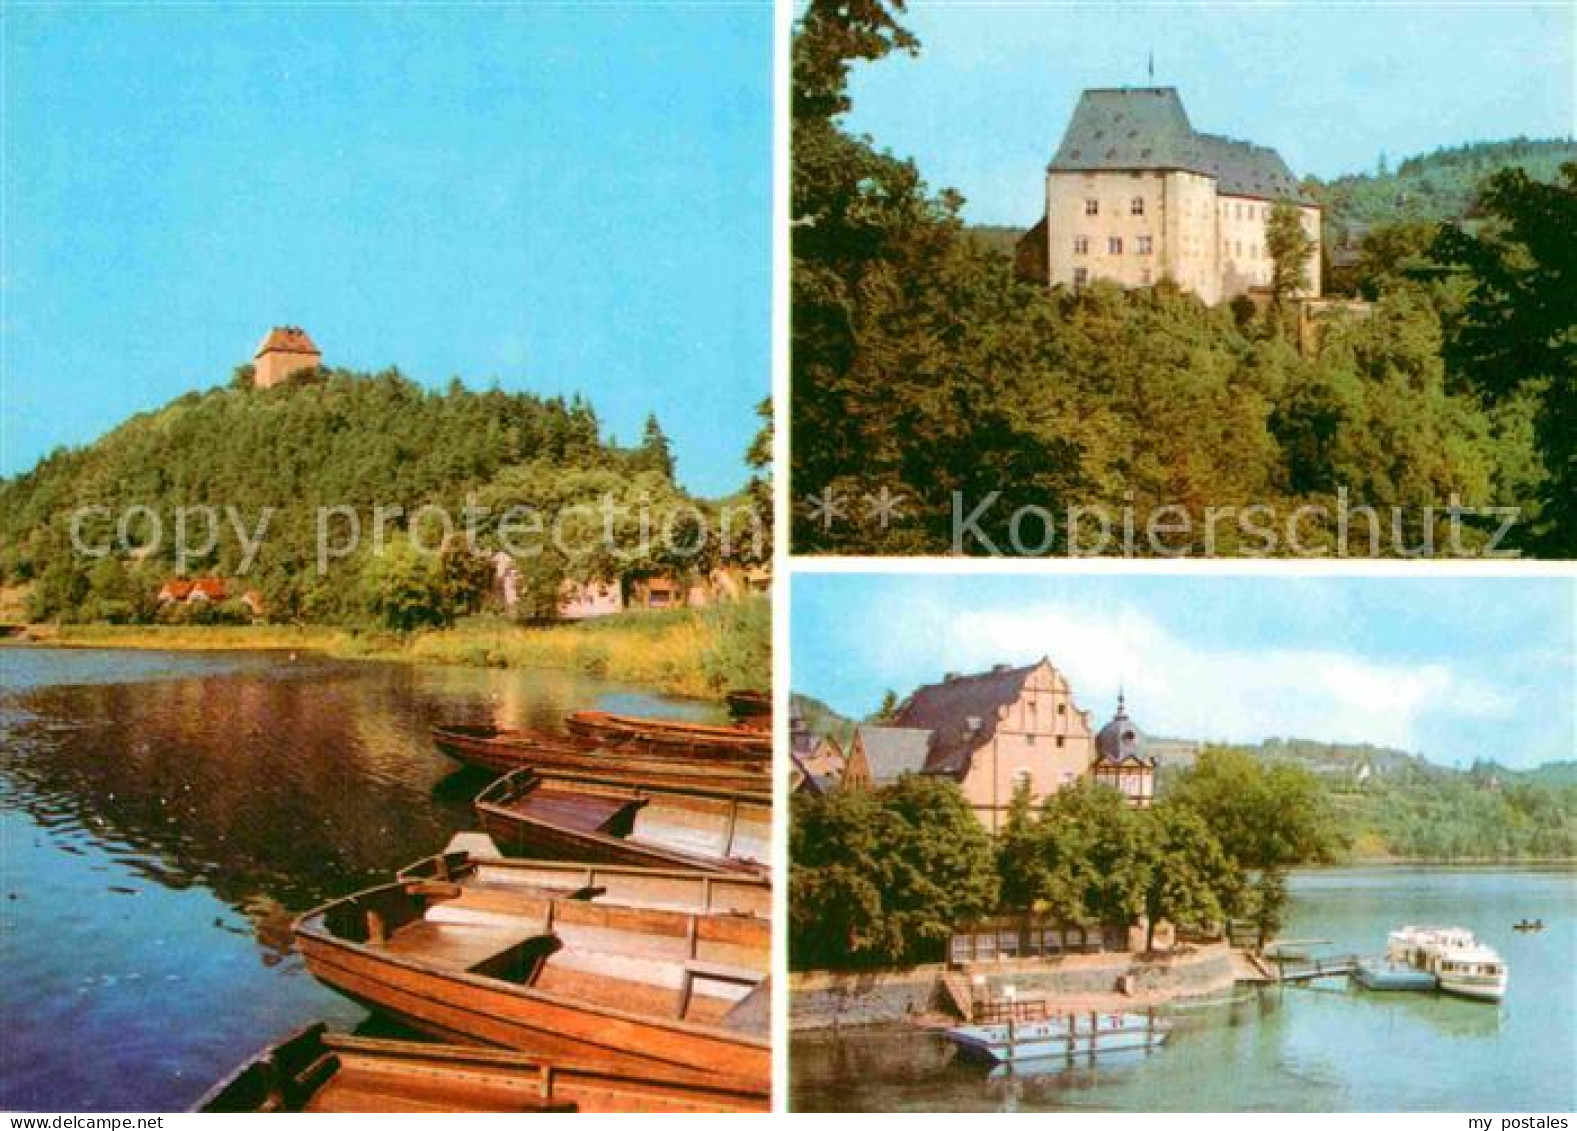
x: 697, y: 739
x: 502, y: 750
x: 676, y: 993
x: 318, y: 1071
x: 552, y: 815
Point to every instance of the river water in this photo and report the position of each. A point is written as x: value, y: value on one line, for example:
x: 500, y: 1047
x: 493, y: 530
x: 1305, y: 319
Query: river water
x: 1328, y: 1048
x: 165, y: 815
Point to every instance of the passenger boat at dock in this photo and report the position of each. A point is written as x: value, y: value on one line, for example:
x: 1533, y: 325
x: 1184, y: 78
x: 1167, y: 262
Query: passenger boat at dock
x: 318, y: 1071
x: 671, y: 736
x: 578, y: 817
x: 501, y: 750
x: 1070, y: 1036
x: 1460, y: 963
x: 546, y: 965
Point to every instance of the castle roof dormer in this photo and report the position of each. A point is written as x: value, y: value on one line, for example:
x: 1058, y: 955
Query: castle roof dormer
x: 1121, y: 738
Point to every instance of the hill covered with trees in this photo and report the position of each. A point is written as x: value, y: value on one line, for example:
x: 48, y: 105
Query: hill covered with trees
x: 924, y: 370
x: 1391, y: 803
x: 1438, y: 187
x: 274, y: 461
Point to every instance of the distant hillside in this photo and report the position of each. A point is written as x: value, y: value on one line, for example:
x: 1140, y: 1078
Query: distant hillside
x: 996, y: 237
x: 820, y: 719
x: 1437, y: 186
x: 329, y: 439
x: 1406, y: 806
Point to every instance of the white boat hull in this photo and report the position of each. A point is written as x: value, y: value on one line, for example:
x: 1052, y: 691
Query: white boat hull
x: 1487, y: 989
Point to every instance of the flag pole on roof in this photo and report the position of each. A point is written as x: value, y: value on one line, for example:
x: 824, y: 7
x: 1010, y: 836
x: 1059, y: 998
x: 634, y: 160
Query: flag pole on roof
x: 1152, y: 68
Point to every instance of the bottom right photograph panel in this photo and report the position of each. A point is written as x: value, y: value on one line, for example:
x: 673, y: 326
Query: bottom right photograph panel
x: 1188, y: 842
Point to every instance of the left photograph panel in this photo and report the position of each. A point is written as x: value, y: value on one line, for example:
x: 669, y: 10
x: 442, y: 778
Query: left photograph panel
x: 385, y: 625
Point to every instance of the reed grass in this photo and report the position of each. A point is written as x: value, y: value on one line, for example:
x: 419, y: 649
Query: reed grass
x: 697, y: 653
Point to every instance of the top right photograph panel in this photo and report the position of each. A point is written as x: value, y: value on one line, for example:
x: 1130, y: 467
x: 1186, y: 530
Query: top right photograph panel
x: 1297, y: 281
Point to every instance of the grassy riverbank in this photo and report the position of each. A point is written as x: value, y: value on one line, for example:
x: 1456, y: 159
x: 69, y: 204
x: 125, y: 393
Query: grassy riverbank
x: 699, y: 653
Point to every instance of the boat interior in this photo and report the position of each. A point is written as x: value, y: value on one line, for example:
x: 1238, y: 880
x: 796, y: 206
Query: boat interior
x: 699, y: 825
x: 658, y: 962
x: 318, y: 1071
x: 657, y: 888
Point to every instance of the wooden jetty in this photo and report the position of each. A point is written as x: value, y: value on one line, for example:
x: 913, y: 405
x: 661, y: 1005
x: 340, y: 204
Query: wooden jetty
x: 1342, y: 966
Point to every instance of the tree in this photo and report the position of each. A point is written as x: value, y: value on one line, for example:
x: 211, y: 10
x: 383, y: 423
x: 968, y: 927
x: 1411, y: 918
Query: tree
x: 1081, y: 862
x: 883, y: 877
x: 888, y: 711
x: 1289, y: 246
x: 1188, y: 880
x: 1265, y: 819
x: 1519, y: 329
x: 655, y: 453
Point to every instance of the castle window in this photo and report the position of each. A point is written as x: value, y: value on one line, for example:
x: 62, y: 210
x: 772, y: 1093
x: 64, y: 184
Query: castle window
x: 1146, y: 246
x: 1061, y: 742
x: 1136, y: 206
x: 1081, y: 245
x: 1081, y: 276
x: 1092, y: 207
x: 1114, y: 245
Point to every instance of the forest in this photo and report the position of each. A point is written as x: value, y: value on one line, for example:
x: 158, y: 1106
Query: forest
x: 881, y: 877
x: 924, y: 371
x: 353, y: 442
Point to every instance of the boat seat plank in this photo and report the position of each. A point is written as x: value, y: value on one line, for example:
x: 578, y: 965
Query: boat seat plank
x: 583, y: 812
x: 383, y: 1092
x: 459, y: 946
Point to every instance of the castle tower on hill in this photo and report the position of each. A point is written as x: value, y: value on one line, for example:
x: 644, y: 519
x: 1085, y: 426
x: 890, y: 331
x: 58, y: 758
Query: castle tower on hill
x: 285, y: 350
x: 1135, y: 194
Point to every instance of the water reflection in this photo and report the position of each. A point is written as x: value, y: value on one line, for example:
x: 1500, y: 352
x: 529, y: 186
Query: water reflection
x: 165, y: 818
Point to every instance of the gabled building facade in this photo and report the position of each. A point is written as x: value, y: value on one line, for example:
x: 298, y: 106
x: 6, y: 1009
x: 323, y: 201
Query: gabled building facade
x: 1135, y: 195
x: 997, y: 730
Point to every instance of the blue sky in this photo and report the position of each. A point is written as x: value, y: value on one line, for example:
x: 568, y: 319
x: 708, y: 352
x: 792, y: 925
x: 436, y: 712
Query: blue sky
x: 1332, y: 85
x: 555, y: 197
x: 1454, y: 668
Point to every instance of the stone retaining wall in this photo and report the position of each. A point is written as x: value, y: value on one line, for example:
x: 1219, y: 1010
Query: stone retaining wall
x: 822, y: 999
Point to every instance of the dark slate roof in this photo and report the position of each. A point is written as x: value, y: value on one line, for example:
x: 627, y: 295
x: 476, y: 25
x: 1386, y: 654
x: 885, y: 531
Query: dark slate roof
x: 1120, y: 738
x: 894, y: 751
x: 810, y: 782
x: 961, y: 714
x: 1146, y: 127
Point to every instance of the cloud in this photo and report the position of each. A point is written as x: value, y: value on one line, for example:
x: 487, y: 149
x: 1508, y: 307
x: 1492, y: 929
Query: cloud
x: 1185, y: 687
